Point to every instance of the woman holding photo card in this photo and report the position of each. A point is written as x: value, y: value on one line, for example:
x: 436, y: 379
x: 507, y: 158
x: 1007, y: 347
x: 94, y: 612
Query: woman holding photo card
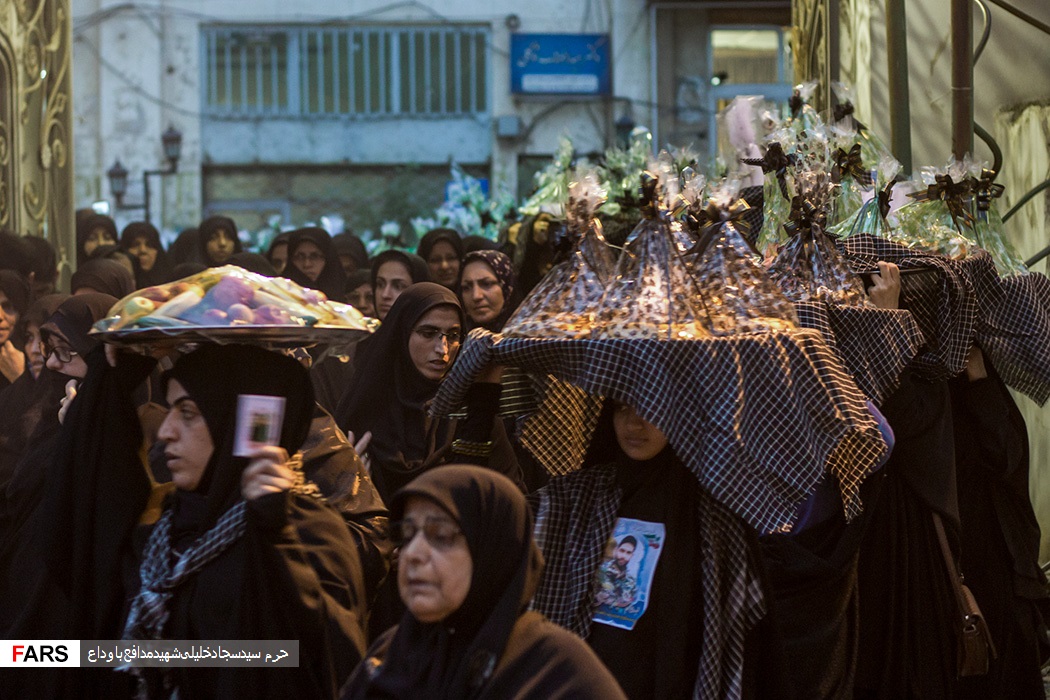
x: 243, y: 548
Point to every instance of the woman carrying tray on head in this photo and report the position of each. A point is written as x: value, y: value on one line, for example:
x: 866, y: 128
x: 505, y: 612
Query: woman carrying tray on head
x: 243, y: 548
x: 629, y: 541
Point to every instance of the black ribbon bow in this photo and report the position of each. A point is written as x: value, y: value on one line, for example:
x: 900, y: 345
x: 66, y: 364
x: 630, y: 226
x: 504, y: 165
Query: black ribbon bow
x: 849, y: 163
x: 952, y: 194
x: 774, y: 161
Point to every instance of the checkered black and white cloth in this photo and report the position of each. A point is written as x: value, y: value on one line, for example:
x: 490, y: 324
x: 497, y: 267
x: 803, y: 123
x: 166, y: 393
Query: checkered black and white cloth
x: 959, y: 302
x: 941, y: 299
x: 1014, y: 331
x: 758, y: 418
x: 875, y: 345
x: 575, y: 516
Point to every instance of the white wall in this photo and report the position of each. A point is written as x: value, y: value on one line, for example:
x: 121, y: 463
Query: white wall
x: 151, y: 78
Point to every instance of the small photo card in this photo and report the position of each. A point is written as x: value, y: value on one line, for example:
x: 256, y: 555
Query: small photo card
x: 259, y: 420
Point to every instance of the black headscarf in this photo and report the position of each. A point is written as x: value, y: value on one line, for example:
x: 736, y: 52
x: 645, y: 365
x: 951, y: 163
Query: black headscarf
x: 432, y: 238
x: 472, y: 243
x: 207, y: 230
x: 160, y: 273
x: 89, y: 224
x: 428, y: 660
x: 214, y: 376
x: 503, y: 269
x: 349, y: 244
x: 16, y: 288
x: 253, y: 262
x: 356, y: 279
x: 44, y: 264
x: 188, y: 269
x: 14, y: 254
x: 184, y: 249
x: 75, y: 316
x: 279, y: 239
x: 332, y: 280
x: 417, y: 266
x: 395, y: 414
x: 104, y: 276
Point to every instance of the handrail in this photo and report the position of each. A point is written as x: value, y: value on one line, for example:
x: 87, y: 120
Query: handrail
x: 1041, y: 26
x: 980, y: 131
x: 1024, y: 200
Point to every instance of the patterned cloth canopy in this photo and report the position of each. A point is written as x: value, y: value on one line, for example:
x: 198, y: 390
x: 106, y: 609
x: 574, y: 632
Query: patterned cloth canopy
x: 759, y: 418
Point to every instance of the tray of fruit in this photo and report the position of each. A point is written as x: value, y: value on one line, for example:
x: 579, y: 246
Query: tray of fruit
x: 231, y: 305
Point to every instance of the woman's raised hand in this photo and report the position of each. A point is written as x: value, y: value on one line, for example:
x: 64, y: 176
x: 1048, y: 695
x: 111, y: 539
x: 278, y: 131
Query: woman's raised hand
x: 267, y: 473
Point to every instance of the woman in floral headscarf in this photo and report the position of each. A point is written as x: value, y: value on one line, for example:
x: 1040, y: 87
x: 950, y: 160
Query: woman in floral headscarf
x: 486, y: 286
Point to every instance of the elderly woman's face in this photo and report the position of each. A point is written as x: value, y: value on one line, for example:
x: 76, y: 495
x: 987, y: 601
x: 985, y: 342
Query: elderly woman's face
x: 435, y: 341
x: 482, y: 294
x: 443, y: 264
x: 188, y: 444
x: 434, y: 569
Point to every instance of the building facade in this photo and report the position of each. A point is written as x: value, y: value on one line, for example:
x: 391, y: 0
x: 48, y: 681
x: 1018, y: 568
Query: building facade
x: 300, y: 110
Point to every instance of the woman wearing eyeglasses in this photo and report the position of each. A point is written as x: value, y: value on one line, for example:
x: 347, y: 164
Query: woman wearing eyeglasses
x: 398, y: 372
x: 468, y: 568
x: 313, y: 262
x: 65, y: 343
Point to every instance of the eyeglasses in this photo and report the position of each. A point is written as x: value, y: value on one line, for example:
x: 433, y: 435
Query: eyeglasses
x: 307, y: 257
x: 440, y: 533
x: 431, y: 333
x: 63, y: 353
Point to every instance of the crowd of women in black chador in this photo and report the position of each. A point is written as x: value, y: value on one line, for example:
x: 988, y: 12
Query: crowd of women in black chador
x: 464, y: 588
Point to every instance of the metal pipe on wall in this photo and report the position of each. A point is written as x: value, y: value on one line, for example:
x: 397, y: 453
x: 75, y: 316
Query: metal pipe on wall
x: 900, y: 104
x: 962, y: 77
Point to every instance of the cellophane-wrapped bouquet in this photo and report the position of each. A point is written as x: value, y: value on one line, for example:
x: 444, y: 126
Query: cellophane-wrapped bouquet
x: 872, y: 148
x: 871, y: 218
x: 564, y: 303
x: 653, y: 294
x: 938, y: 218
x: 734, y: 289
x: 808, y: 267
x: 988, y: 224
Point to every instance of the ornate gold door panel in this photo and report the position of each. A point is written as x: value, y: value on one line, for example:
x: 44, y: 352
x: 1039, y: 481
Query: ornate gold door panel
x: 815, y: 45
x: 36, y: 169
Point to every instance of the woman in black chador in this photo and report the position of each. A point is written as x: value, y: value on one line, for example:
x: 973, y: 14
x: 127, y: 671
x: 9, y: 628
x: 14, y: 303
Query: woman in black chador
x: 662, y: 582
x: 468, y: 567
x: 398, y: 372
x: 243, y: 548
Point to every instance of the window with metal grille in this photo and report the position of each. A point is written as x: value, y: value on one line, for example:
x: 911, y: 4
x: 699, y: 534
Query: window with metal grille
x: 363, y: 71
